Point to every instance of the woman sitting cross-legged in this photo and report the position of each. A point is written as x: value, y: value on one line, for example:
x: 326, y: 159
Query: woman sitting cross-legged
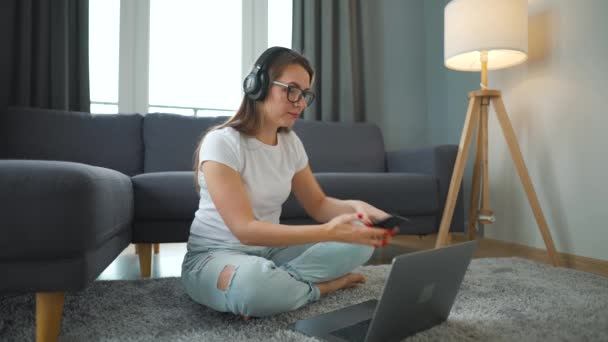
x: 240, y: 259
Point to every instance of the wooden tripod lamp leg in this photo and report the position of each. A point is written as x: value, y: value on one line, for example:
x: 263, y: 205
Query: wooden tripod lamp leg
x: 505, y: 123
x: 461, y: 159
x: 486, y: 215
x: 474, y: 208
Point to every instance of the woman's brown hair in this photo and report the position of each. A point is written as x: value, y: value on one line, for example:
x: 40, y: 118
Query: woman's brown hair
x: 247, y: 118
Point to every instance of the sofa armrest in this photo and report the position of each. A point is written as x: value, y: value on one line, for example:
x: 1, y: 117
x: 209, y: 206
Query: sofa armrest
x: 437, y: 160
x: 56, y: 209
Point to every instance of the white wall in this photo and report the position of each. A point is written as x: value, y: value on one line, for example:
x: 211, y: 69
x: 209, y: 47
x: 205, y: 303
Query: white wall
x: 558, y: 104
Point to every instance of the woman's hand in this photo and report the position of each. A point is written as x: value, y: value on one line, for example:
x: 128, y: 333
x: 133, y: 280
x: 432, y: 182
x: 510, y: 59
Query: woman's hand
x: 343, y: 228
x: 370, y: 213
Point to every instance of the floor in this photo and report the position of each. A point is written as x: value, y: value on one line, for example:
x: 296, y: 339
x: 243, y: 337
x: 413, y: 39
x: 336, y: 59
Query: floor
x: 168, y: 262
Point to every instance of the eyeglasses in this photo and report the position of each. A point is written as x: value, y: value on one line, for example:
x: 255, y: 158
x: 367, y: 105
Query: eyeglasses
x: 295, y: 94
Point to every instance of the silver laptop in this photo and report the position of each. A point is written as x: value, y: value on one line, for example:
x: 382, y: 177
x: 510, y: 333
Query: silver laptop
x: 418, y: 294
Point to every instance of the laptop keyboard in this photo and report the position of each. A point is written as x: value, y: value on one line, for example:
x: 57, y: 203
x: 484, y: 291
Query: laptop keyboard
x: 355, y: 332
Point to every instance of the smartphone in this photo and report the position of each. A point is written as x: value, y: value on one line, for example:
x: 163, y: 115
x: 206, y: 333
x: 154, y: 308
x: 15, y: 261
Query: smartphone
x: 392, y: 222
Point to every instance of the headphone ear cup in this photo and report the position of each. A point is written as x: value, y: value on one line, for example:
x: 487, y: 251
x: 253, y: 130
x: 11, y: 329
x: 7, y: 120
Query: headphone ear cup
x: 263, y: 83
x: 256, y: 84
x: 249, y: 84
x: 258, y: 93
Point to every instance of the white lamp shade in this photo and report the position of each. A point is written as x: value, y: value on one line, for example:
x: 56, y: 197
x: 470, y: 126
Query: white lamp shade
x: 499, y: 27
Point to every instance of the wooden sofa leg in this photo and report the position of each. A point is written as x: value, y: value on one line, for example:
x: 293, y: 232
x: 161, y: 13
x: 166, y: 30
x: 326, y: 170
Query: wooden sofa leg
x: 49, y: 311
x: 145, y: 259
x: 156, y: 248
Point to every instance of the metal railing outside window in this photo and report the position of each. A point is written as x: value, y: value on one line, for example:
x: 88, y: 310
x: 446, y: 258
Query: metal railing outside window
x: 98, y: 107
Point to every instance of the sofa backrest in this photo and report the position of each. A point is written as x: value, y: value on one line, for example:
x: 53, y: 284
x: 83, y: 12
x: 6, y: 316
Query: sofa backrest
x: 342, y: 147
x: 170, y: 141
x: 111, y: 141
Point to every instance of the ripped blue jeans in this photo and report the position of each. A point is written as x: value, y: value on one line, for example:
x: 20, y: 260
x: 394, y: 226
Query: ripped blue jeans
x: 265, y: 280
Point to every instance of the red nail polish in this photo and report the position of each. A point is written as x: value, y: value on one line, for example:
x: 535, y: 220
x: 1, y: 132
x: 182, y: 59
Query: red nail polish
x: 360, y: 216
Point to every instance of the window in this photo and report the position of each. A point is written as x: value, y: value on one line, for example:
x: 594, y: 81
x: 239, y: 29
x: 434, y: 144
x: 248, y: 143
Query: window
x: 103, y: 55
x: 196, y: 52
x: 279, y: 22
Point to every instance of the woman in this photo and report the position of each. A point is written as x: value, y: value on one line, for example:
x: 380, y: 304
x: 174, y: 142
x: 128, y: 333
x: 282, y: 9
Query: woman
x: 240, y: 259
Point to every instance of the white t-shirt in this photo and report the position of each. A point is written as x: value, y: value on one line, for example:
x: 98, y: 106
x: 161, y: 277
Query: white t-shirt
x: 266, y: 171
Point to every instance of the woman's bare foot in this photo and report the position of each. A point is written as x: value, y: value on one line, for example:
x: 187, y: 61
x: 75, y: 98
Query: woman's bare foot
x: 344, y: 282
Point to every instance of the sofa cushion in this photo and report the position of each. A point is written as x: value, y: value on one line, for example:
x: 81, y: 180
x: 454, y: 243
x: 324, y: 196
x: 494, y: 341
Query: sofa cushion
x: 170, y: 140
x: 401, y: 193
x: 110, y: 141
x: 421, y: 225
x: 342, y: 147
x: 171, y: 195
x: 148, y: 231
x: 165, y: 196
x: 55, y: 209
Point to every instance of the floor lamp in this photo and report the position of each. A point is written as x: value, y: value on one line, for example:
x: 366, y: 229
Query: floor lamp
x: 482, y: 35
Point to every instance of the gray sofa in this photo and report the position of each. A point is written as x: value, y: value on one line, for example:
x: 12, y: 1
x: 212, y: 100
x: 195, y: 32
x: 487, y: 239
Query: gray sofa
x: 77, y: 188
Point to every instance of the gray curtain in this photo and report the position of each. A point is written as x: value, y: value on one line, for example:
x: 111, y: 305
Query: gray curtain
x: 45, y: 54
x: 329, y: 34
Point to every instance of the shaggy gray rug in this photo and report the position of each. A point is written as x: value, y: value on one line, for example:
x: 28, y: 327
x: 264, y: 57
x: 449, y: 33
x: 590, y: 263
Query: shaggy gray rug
x: 502, y: 299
